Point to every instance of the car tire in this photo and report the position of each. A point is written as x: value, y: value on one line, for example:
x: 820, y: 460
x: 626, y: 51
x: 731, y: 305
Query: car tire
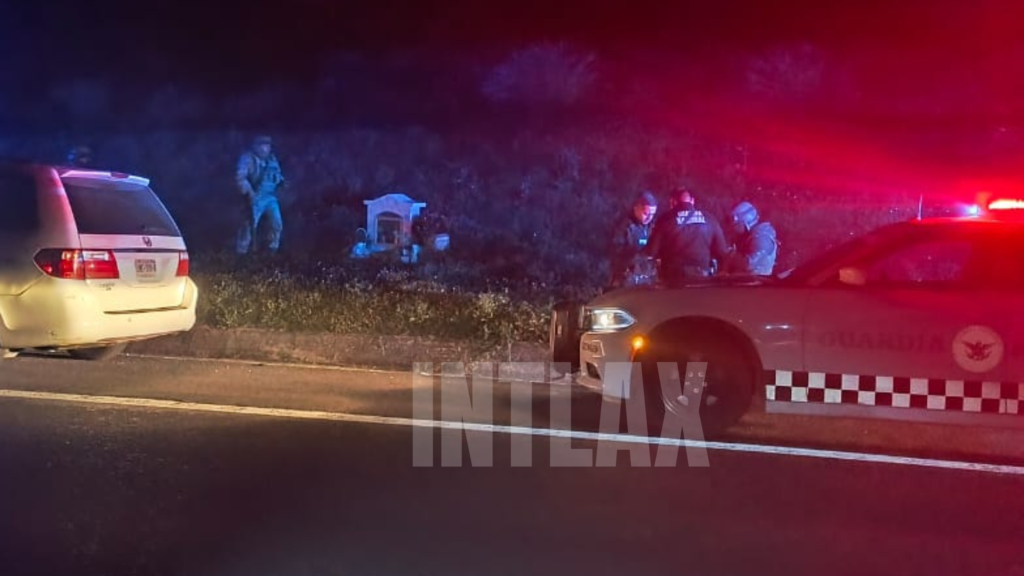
x: 564, y: 336
x: 99, y: 353
x: 729, y: 388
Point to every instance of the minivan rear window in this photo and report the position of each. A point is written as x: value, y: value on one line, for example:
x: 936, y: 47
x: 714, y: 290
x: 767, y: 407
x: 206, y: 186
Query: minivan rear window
x: 118, y: 208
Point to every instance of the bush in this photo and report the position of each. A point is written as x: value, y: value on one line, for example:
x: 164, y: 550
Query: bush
x: 390, y: 305
x: 542, y: 74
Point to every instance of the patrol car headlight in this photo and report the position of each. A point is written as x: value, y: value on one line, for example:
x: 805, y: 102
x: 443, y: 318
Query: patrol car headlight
x: 609, y: 319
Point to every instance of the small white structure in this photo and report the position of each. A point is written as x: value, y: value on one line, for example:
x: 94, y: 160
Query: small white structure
x: 389, y: 221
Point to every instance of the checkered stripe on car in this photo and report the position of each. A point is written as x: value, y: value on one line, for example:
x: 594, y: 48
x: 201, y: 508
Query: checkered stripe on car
x: 898, y: 392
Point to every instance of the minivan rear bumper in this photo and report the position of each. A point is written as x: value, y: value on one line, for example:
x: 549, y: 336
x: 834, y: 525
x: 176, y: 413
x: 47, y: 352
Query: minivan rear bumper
x: 56, y: 313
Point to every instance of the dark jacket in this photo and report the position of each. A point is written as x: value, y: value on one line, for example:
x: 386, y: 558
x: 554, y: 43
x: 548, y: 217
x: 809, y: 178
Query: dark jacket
x: 626, y: 253
x: 685, y: 240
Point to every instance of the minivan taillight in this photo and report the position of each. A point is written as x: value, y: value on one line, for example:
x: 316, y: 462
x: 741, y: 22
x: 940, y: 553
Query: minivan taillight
x: 78, y: 264
x: 182, y: 264
x: 61, y: 263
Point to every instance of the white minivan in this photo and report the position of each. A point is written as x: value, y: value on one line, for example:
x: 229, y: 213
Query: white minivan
x: 89, y: 261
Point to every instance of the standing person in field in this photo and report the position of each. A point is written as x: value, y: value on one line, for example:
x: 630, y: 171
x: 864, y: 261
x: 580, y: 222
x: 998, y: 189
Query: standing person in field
x: 258, y: 178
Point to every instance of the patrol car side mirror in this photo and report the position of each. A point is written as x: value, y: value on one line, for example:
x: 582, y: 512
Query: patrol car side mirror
x: 852, y: 276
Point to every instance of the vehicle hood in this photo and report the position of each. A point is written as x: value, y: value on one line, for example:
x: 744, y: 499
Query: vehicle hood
x: 729, y: 281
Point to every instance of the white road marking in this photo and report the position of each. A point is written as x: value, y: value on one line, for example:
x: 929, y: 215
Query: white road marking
x: 515, y: 430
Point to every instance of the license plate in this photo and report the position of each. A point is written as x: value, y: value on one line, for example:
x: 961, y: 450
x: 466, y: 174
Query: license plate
x: 145, y: 270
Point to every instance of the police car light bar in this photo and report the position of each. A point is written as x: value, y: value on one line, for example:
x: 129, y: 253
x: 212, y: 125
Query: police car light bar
x: 1006, y: 204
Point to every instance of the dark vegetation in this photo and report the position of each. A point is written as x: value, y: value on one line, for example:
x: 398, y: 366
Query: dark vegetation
x: 525, y: 158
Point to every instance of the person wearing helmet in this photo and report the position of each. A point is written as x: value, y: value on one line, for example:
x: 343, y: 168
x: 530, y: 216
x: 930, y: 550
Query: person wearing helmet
x: 757, y: 244
x: 686, y: 241
x: 258, y: 177
x: 80, y: 156
x: 629, y: 267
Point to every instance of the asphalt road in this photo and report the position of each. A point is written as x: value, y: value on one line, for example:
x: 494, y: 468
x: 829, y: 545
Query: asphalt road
x: 153, y: 466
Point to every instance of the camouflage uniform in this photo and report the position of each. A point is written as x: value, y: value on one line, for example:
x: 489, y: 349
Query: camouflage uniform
x: 757, y: 246
x: 258, y: 179
x: 756, y: 251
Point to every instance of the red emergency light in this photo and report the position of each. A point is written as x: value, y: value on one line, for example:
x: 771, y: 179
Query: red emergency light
x: 1006, y: 204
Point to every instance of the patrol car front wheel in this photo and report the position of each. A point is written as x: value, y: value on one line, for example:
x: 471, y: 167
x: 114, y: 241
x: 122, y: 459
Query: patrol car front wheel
x: 709, y: 378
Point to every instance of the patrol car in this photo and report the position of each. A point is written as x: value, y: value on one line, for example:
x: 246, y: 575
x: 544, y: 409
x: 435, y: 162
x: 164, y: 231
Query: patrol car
x: 918, y: 320
x: 89, y: 261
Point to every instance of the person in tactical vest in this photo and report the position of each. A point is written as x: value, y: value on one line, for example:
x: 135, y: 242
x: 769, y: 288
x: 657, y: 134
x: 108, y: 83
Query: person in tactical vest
x: 258, y: 177
x: 629, y: 267
x: 757, y: 245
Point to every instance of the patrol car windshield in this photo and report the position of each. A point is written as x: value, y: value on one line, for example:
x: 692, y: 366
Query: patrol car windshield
x: 119, y: 208
x: 842, y: 252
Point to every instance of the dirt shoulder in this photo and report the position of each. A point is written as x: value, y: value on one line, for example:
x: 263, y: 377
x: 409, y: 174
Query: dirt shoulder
x: 384, y: 352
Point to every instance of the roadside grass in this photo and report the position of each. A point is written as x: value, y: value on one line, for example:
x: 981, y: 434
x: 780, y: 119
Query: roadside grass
x: 392, y: 302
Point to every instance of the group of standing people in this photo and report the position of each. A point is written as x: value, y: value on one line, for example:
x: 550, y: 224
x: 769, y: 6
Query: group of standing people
x: 686, y: 243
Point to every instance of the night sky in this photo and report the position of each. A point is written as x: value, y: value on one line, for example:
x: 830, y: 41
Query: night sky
x: 900, y: 49
x: 227, y: 41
